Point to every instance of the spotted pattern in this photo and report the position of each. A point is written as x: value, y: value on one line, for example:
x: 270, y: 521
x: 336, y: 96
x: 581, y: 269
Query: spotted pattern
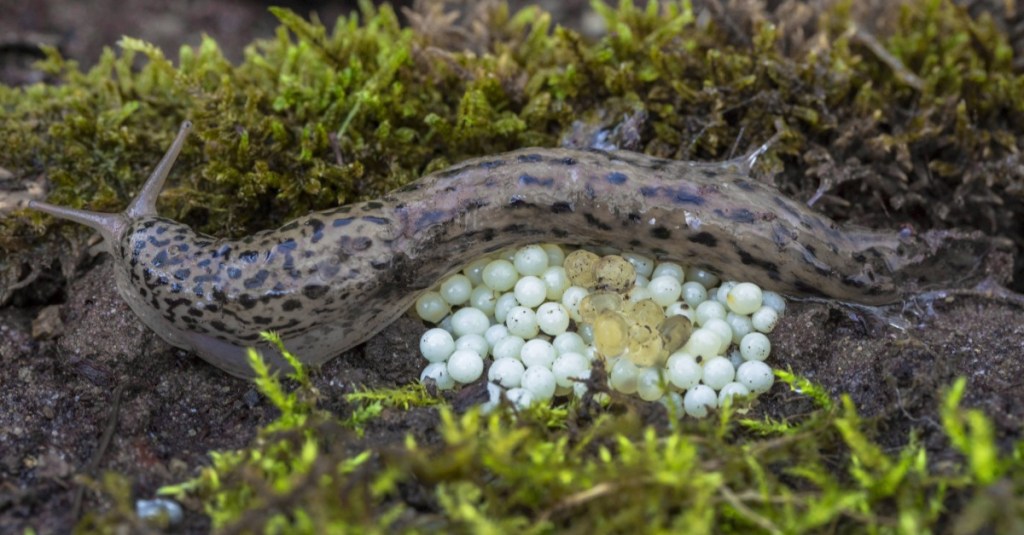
x: 330, y: 280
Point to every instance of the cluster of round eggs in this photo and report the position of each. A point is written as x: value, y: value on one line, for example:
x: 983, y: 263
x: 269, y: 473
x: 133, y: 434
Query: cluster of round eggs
x: 663, y: 332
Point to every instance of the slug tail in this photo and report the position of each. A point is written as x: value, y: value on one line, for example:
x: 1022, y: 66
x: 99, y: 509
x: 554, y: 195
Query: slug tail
x: 144, y: 203
x: 109, y: 225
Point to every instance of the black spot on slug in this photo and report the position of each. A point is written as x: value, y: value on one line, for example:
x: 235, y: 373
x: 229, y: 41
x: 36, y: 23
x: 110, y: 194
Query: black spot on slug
x: 595, y: 222
x: 562, y: 207
x: 256, y: 280
x: 529, y: 158
x: 182, y: 274
x: 291, y: 304
x: 530, y: 180
x: 375, y: 220
x: 342, y: 222
x: 249, y: 257
x: 616, y: 178
x: 314, y: 291
x: 248, y: 301
x: 661, y: 233
x: 234, y: 272
x: 704, y: 238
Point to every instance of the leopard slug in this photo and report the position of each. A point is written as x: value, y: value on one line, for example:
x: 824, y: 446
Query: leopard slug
x: 330, y: 280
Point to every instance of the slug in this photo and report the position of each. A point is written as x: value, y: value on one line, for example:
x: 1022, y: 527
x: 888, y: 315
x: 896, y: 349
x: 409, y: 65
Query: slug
x: 330, y: 280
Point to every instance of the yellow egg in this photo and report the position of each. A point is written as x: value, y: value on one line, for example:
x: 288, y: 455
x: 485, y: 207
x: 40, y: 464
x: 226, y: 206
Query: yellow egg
x: 614, y: 273
x: 579, y: 267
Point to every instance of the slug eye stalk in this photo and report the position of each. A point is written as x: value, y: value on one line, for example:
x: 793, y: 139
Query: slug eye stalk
x: 144, y: 203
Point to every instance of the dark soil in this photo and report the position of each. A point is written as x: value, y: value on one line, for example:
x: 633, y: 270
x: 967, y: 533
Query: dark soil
x: 92, y: 367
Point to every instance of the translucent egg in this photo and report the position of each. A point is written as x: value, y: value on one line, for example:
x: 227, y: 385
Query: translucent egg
x: 665, y: 290
x: 539, y: 381
x: 699, y: 400
x: 465, y: 366
x: 595, y: 303
x: 645, y: 349
x: 744, y: 298
x: 484, y: 299
x: 556, y: 281
x: 718, y: 372
x: 703, y: 343
x: 495, y: 333
x: 469, y: 320
x: 579, y: 266
x: 537, y: 352
x: 438, y: 371
x: 530, y: 291
x: 431, y: 307
x: 643, y: 265
x: 552, y: 318
x: 694, y: 293
x: 756, y: 376
x: 675, y: 331
x: 531, y: 260
x: 611, y: 334
x: 503, y: 305
x: 571, y: 299
x: 731, y: 390
x: 474, y: 271
x: 436, y: 345
x: 649, y: 385
x: 708, y: 310
x: 500, y: 275
x: 556, y: 255
x: 473, y: 342
x: 703, y: 276
x: 506, y: 372
x: 614, y: 274
x: 683, y: 371
x: 765, y: 319
x: 567, y: 366
x: 522, y: 322
x: 646, y: 312
x: 723, y: 330
x: 741, y: 326
x: 569, y: 342
x: 623, y: 376
x: 671, y: 269
x: 774, y: 301
x: 509, y: 347
x: 755, y: 346
x: 456, y: 289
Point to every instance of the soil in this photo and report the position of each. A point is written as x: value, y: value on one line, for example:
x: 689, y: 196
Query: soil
x: 76, y: 366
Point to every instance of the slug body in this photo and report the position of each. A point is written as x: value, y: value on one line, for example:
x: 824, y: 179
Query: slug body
x: 332, y: 279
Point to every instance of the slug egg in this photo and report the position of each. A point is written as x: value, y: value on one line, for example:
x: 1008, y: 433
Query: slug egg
x: 506, y: 372
x: 552, y: 318
x: 744, y: 298
x: 755, y: 346
x: 661, y: 328
x: 470, y: 320
x: 530, y: 291
x: 438, y: 371
x: 500, y: 275
x: 756, y: 376
x: 765, y: 319
x: 436, y: 345
x: 699, y: 400
x: 456, y: 289
x: 465, y: 366
x: 431, y: 307
x: 531, y: 260
x: 539, y: 381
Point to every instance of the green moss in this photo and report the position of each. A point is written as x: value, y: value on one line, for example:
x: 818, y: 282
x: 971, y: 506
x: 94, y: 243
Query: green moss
x: 506, y: 471
x: 922, y: 120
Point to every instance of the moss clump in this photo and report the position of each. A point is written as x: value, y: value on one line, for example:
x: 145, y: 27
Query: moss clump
x: 505, y: 472
x: 922, y: 126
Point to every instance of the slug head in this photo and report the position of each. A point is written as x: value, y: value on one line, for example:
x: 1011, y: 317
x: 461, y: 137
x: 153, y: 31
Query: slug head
x: 111, y: 226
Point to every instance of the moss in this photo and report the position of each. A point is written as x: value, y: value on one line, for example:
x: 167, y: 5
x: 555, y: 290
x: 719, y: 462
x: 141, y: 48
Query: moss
x: 506, y: 471
x: 922, y: 120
